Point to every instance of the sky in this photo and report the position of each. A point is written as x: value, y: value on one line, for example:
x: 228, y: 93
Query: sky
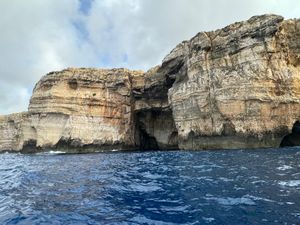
x: 39, y: 36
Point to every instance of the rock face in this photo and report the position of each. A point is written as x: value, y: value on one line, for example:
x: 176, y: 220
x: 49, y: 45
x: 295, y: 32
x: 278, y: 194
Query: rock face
x: 237, y: 87
x: 11, y: 131
x: 84, y: 108
x: 76, y: 110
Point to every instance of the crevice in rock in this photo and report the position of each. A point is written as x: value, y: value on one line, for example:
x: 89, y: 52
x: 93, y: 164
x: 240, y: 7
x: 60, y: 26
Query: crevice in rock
x: 211, y: 91
x: 191, y: 137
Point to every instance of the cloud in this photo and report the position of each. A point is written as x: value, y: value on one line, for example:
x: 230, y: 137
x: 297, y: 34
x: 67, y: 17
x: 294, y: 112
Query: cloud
x: 146, y: 30
x: 36, y: 37
x: 42, y: 36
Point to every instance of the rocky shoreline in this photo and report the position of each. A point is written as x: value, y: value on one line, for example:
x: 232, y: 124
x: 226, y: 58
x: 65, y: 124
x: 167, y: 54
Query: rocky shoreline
x: 236, y: 87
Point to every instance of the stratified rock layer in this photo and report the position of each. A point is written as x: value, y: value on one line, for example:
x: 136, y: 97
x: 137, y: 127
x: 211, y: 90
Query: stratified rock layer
x: 78, y: 110
x: 237, y: 87
x: 11, y: 131
x: 85, y: 107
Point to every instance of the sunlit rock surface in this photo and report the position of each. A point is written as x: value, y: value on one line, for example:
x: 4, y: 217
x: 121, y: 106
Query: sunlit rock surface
x: 237, y: 87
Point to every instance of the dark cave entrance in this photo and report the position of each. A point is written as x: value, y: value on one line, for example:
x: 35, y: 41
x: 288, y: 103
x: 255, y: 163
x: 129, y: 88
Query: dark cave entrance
x: 30, y: 146
x: 292, y: 139
x: 144, y: 140
x: 155, y: 130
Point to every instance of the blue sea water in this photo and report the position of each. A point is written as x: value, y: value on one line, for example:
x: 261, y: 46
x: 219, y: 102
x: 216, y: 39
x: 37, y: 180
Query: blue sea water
x: 156, y: 187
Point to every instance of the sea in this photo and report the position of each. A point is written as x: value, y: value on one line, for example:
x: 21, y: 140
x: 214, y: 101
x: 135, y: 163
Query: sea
x: 154, y: 187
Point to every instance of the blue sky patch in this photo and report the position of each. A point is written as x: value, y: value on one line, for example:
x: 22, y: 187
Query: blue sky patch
x: 81, y: 30
x: 85, y: 6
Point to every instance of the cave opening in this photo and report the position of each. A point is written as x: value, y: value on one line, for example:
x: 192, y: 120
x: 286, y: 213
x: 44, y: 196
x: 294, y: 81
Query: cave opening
x: 30, y: 146
x: 145, y: 140
x: 155, y: 130
x: 292, y: 139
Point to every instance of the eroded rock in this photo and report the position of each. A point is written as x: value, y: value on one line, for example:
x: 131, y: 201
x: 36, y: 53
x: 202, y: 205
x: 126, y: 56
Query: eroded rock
x: 236, y: 87
x: 240, y: 88
x: 77, y: 109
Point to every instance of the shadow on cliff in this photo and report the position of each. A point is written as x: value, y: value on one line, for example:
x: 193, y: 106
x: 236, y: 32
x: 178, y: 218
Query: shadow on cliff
x: 292, y: 139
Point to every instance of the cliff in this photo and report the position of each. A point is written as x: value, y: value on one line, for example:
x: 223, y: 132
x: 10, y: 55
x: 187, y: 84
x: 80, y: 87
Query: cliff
x: 76, y: 110
x: 237, y: 87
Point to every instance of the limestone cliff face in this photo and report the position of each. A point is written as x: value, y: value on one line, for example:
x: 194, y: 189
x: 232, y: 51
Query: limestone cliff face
x: 237, y: 87
x: 84, y: 107
x: 155, y: 127
x: 11, y: 131
x: 76, y: 110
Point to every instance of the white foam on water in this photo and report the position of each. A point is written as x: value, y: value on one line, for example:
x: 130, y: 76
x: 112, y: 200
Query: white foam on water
x: 238, y: 188
x: 258, y: 182
x: 206, y: 178
x: 256, y: 198
x: 228, y: 201
x: 51, y: 153
x: 290, y: 203
x: 107, y: 151
x: 56, y: 152
x: 296, y: 214
x: 290, y: 183
x: 225, y: 179
x: 208, y: 219
x: 99, y: 151
x: 284, y: 167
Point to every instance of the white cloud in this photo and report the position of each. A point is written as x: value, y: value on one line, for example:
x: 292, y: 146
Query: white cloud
x: 36, y: 37
x: 41, y: 36
x: 146, y: 30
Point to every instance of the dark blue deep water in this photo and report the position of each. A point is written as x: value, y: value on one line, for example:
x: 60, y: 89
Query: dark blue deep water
x: 175, y: 187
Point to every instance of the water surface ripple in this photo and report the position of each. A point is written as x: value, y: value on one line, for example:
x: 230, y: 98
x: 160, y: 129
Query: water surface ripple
x: 173, y: 187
